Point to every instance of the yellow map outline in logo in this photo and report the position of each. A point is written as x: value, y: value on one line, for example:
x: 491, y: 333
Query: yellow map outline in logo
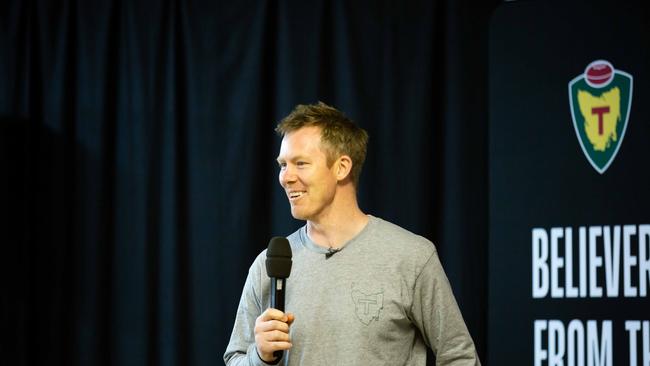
x: 601, y: 115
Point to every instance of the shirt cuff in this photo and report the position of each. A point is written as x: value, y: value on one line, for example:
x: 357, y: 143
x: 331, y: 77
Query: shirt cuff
x: 252, y: 349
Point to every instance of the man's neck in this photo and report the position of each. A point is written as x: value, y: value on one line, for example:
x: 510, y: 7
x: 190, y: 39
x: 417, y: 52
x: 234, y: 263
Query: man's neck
x: 335, y: 232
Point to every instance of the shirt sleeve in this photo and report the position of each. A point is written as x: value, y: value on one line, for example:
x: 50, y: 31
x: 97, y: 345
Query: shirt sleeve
x: 241, y: 349
x: 435, y: 312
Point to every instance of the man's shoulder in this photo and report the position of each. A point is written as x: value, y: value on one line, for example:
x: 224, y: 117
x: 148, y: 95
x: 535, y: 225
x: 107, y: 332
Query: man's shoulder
x: 395, y: 238
x: 294, y: 238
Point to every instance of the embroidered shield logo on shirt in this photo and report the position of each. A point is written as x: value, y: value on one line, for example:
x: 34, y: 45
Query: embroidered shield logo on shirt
x: 367, y: 307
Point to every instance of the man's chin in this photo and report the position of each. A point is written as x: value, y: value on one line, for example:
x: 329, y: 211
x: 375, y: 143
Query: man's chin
x: 298, y: 215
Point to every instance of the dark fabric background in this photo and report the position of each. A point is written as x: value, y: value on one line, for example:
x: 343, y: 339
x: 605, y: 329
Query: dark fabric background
x: 137, y: 163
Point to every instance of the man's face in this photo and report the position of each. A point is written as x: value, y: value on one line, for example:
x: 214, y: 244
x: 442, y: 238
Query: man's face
x: 308, y: 182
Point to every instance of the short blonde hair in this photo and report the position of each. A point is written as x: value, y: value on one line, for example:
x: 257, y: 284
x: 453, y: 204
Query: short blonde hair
x: 339, y: 134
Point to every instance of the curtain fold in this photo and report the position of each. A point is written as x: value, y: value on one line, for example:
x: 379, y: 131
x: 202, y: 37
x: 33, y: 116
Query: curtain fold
x: 139, y: 158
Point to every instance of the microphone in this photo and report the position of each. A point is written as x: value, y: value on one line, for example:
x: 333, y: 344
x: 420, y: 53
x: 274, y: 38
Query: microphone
x: 278, y: 268
x: 331, y: 252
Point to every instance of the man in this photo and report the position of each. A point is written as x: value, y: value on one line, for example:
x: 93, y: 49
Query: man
x: 362, y: 291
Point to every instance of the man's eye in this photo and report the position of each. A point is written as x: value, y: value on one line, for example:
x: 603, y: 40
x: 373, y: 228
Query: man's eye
x: 301, y: 163
x: 282, y: 165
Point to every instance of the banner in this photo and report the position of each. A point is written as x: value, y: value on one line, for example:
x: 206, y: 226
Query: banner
x: 569, y: 243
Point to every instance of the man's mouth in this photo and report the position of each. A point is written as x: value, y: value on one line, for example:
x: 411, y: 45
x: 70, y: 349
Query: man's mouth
x: 295, y: 195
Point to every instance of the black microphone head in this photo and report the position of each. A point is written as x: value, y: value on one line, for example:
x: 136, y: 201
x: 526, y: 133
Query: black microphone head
x: 278, y: 258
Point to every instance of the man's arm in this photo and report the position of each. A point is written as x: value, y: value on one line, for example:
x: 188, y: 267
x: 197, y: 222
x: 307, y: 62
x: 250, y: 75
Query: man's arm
x: 436, y: 313
x: 256, y: 334
x: 241, y: 348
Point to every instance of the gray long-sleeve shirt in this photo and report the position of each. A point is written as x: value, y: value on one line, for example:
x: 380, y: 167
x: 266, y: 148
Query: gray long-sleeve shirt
x: 380, y: 301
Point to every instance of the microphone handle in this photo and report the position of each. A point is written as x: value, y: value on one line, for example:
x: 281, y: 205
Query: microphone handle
x: 278, y: 285
x: 277, y: 293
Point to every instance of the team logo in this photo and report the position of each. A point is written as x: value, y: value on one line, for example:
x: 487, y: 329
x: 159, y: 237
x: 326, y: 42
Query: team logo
x: 600, y: 100
x: 367, y: 307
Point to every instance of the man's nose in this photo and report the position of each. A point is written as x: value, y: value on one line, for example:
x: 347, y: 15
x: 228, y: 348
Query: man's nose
x: 287, y: 175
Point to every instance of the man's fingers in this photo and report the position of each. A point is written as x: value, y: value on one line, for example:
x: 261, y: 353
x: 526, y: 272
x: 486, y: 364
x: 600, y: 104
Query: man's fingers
x: 276, y: 336
x: 265, y: 350
x: 269, y: 342
x: 273, y: 314
x: 272, y: 325
x: 281, y: 346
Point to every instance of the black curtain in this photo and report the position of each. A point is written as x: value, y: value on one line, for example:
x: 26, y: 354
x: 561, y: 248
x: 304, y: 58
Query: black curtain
x: 138, y: 158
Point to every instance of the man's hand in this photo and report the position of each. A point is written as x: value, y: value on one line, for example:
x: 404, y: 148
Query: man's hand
x: 272, y: 333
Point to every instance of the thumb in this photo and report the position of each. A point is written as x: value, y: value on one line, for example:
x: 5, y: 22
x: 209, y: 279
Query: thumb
x: 290, y: 318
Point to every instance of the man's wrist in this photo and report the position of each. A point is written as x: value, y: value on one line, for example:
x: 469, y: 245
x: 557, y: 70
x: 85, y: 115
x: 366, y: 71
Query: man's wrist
x: 274, y: 362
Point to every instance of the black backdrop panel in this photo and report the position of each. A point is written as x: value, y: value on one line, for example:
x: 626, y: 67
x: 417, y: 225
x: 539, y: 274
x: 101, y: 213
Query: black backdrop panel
x: 541, y: 179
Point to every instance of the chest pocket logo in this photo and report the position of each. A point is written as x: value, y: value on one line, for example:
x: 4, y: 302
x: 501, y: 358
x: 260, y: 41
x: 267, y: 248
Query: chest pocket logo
x: 367, y: 307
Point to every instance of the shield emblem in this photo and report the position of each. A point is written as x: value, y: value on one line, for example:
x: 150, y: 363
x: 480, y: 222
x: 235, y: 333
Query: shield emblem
x: 367, y: 307
x: 600, y: 101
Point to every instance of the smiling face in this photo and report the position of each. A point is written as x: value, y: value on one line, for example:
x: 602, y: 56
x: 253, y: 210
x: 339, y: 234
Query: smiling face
x: 308, y: 181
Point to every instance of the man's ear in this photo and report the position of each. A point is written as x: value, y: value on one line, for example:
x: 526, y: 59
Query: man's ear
x: 343, y: 167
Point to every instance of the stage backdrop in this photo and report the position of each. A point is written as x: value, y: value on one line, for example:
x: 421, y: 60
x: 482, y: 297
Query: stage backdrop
x: 569, y: 202
x: 138, y: 178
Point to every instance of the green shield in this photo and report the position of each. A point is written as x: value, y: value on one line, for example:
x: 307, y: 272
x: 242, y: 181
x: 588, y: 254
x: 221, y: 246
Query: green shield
x: 600, y: 116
